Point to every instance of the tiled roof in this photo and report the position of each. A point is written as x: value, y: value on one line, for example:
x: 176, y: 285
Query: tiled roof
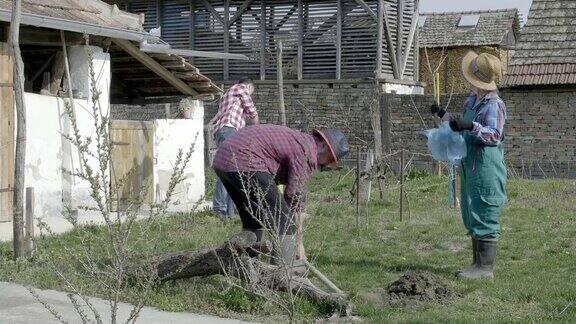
x: 441, y: 29
x: 546, y: 52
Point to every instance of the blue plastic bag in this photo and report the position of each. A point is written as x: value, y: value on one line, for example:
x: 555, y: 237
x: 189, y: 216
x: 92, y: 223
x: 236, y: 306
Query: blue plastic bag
x: 446, y: 145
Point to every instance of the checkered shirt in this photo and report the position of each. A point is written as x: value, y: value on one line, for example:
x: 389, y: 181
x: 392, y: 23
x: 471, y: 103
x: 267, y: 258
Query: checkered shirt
x: 233, y: 106
x: 290, y: 155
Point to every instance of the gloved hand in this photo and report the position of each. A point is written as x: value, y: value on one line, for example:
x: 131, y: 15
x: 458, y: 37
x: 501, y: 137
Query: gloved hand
x: 437, y: 110
x: 459, y: 124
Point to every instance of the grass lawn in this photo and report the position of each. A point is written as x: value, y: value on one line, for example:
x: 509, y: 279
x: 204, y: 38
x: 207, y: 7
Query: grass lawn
x: 535, y: 266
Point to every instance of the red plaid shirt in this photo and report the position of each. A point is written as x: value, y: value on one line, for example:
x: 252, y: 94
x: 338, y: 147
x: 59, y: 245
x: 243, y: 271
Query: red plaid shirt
x: 290, y: 155
x: 234, y: 105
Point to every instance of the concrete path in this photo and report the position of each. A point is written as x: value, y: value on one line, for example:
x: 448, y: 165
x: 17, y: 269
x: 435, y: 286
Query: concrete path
x: 18, y: 306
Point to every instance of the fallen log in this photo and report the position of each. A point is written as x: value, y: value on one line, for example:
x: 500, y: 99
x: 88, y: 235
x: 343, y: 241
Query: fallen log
x: 239, y: 258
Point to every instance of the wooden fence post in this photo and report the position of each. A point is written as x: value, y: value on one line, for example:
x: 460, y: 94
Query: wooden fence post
x: 401, y: 184
x: 358, y: 188
x: 279, y: 69
x: 29, y: 221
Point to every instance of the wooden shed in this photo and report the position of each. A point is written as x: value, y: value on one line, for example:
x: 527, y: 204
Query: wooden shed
x: 322, y: 39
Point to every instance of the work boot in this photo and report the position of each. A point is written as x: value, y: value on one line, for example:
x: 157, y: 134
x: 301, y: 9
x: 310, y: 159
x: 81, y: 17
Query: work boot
x: 474, y: 257
x: 485, y: 263
x: 285, y: 255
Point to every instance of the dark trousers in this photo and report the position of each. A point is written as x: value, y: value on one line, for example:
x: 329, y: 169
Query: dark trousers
x: 258, y: 201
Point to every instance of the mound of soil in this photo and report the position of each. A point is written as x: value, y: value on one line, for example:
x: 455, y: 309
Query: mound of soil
x: 419, y: 287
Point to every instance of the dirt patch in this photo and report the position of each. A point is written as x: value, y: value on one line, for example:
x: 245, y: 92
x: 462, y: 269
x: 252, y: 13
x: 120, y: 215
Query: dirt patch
x: 416, y: 288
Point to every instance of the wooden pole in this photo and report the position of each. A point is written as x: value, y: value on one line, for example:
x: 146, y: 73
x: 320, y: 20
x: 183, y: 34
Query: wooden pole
x: 380, y: 39
x: 401, y: 184
x: 29, y: 221
x: 339, y: 40
x: 324, y: 279
x: 226, y: 38
x: 20, y: 156
x: 358, y: 188
x: 280, y: 83
x: 263, y: 40
x: 300, y: 40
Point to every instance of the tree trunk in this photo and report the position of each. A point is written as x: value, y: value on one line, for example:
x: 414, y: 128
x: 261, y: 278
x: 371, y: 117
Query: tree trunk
x: 20, y: 156
x: 239, y: 258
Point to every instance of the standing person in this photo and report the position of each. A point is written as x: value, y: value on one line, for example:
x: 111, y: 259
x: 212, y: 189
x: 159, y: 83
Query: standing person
x: 252, y: 162
x: 483, y: 173
x: 233, y: 109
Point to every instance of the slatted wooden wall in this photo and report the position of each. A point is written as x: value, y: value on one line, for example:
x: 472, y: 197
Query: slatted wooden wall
x: 322, y: 39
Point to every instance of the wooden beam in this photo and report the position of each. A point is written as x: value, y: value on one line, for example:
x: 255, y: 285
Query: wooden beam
x: 389, y: 43
x: 300, y: 67
x: 226, y: 39
x: 192, y: 29
x: 214, y: 12
x: 399, y: 34
x: 155, y: 66
x: 409, y: 41
x: 240, y: 11
x: 367, y: 8
x: 417, y: 45
x: 339, y: 40
x: 380, y: 39
x: 285, y: 18
x: 263, y: 40
x: 57, y: 73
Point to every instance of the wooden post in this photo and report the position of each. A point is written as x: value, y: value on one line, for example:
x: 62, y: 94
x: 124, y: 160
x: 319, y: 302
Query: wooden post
x: 226, y: 38
x: 358, y: 188
x: 167, y: 111
x: 57, y: 73
x: 339, y: 40
x: 380, y: 39
x: 280, y: 83
x: 263, y: 40
x: 192, y: 30
x: 29, y: 221
x: 300, y: 39
x: 6, y: 134
x: 401, y: 184
x: 454, y: 198
x: 20, y: 156
x: 399, y: 34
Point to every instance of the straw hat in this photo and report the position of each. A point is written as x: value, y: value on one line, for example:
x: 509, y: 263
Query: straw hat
x: 482, y: 70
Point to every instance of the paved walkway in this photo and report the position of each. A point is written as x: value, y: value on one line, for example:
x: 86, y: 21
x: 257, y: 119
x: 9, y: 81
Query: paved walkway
x: 18, y: 306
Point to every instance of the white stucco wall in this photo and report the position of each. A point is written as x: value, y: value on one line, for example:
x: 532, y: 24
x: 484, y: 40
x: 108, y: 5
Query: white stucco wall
x: 402, y: 88
x: 48, y: 151
x: 170, y: 135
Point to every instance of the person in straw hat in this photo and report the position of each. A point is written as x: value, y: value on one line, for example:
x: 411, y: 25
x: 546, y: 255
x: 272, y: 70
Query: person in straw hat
x: 483, y: 173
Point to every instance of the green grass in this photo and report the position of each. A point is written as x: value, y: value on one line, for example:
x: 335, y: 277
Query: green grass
x: 535, y: 267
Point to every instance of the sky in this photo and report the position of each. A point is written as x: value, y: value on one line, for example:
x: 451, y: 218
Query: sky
x: 462, y: 5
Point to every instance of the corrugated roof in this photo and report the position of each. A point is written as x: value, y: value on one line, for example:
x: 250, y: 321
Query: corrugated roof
x: 89, y: 11
x: 546, y: 51
x: 441, y: 29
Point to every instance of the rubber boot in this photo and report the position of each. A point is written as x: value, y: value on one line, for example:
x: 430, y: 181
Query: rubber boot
x: 285, y: 255
x: 474, y: 257
x: 485, y: 264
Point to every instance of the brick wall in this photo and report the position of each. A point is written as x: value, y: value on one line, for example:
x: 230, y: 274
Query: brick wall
x: 541, y: 130
x: 345, y: 106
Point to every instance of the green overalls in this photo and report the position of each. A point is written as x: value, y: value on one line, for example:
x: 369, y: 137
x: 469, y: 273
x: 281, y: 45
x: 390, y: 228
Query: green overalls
x: 483, y: 185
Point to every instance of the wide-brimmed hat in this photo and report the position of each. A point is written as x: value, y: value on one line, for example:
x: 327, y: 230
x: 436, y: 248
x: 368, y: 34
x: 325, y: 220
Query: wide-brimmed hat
x: 482, y: 70
x: 336, y: 140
